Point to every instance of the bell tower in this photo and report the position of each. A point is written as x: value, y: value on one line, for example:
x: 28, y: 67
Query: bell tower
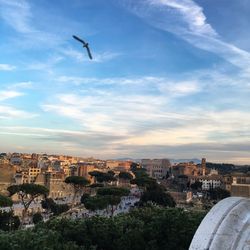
x: 203, y: 166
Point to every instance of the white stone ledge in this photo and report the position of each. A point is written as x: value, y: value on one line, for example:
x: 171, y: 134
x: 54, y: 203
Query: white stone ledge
x: 225, y: 227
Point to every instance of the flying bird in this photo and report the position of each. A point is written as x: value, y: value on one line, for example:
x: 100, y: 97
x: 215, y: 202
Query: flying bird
x: 85, y: 45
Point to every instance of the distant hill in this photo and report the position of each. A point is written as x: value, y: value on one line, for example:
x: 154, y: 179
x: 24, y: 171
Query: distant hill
x: 227, y: 168
x: 195, y: 160
x: 126, y: 159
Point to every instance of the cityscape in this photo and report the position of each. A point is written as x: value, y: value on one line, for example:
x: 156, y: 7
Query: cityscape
x: 124, y: 125
x: 43, y: 187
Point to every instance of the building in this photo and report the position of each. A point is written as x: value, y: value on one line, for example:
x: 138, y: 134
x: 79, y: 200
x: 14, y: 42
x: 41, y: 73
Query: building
x: 156, y: 168
x: 241, y: 185
x: 16, y: 160
x: 227, y: 179
x: 84, y: 169
x: 33, y: 172
x: 203, y: 166
x: 4, y: 159
x: 208, y: 182
x: 213, y: 172
x: 185, y: 168
x: 54, y: 181
x: 118, y: 165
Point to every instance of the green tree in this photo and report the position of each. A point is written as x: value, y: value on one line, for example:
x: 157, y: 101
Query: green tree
x: 197, y: 185
x: 112, y: 195
x: 50, y: 205
x: 37, y: 217
x: 159, y: 197
x: 219, y: 193
x: 150, y: 228
x: 78, y: 183
x: 8, y: 221
x: 84, y: 197
x: 96, y: 185
x: 47, y: 203
x: 5, y: 201
x: 28, y: 193
x: 94, y: 203
x: 144, y: 182
x: 102, y: 177
x: 125, y: 176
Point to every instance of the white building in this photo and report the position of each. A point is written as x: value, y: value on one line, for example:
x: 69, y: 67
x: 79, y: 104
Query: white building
x: 208, y: 182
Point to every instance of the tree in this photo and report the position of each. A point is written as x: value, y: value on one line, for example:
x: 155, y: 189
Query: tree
x: 125, y: 176
x: 143, y: 181
x: 197, y: 185
x: 96, y: 185
x: 139, y: 172
x: 219, y: 193
x: 134, y: 166
x: 37, y: 217
x: 5, y: 201
x: 84, y: 197
x: 77, y: 182
x: 47, y: 204
x: 28, y: 193
x: 104, y: 197
x: 50, y: 205
x: 159, y: 197
x: 148, y: 228
x: 112, y: 195
x: 94, y: 203
x: 8, y: 221
x: 102, y: 177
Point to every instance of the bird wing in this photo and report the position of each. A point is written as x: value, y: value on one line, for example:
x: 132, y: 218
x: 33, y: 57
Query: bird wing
x: 89, y: 53
x: 78, y: 39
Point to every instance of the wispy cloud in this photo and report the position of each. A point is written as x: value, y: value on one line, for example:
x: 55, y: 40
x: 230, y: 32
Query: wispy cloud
x: 151, y: 81
x: 156, y: 111
x: 47, y: 66
x: 6, y: 67
x: 7, y: 94
x: 21, y: 85
x: 8, y: 112
x: 186, y: 19
x: 105, y: 56
x: 82, y: 56
x: 17, y: 14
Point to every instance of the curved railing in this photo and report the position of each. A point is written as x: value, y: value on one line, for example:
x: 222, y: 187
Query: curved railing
x: 226, y: 226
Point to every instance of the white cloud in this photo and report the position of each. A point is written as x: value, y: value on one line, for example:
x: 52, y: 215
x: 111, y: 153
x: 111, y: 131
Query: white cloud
x: 186, y: 19
x: 180, y: 88
x: 21, y: 85
x: 17, y: 14
x: 7, y: 94
x: 82, y: 56
x: 105, y: 56
x: 6, y: 67
x: 7, y: 112
x: 46, y: 66
x: 191, y: 13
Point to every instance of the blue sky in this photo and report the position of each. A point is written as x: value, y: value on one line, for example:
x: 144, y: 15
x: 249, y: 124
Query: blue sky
x: 170, y: 78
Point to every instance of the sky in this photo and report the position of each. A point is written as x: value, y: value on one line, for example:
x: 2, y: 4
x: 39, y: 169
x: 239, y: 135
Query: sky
x: 169, y: 78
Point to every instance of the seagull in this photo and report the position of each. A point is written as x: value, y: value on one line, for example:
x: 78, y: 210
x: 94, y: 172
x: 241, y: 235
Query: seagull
x: 85, y: 45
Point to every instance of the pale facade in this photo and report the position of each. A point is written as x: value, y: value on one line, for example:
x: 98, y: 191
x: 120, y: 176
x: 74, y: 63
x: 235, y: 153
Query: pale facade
x: 208, y: 182
x: 156, y: 168
x: 241, y: 186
